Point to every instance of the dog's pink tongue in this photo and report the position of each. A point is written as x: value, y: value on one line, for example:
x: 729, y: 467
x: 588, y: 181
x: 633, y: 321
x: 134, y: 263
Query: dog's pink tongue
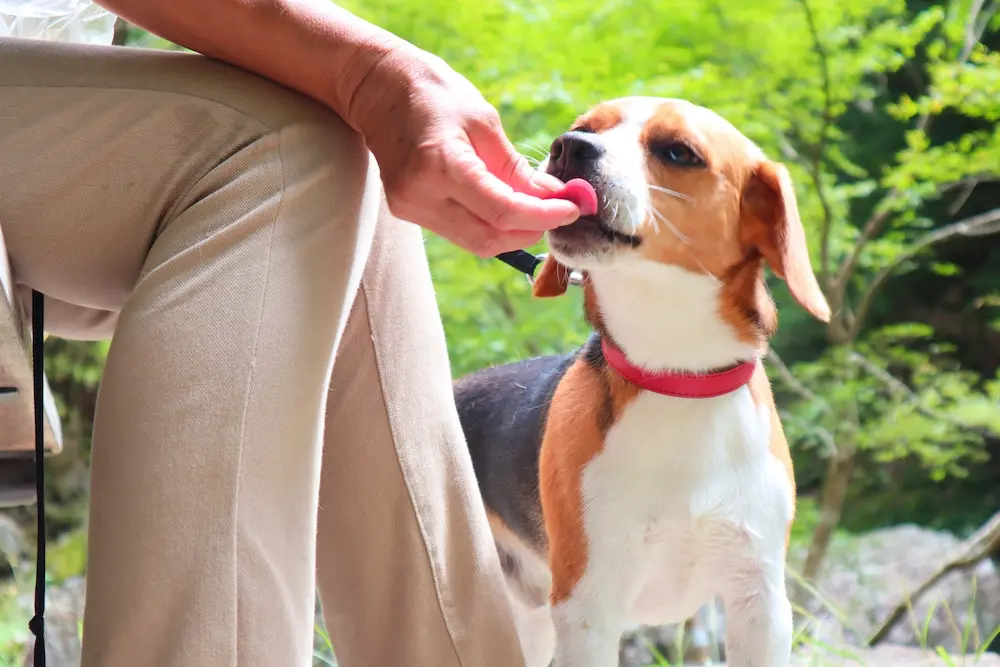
x: 581, y: 193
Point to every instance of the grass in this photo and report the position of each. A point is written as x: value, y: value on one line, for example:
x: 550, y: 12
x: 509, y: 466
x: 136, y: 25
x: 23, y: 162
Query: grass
x: 323, y: 654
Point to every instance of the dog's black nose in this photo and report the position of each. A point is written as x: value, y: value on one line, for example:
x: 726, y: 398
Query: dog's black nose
x: 574, y: 153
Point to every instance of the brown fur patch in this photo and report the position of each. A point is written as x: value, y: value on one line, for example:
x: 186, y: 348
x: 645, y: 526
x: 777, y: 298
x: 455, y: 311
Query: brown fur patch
x: 592, y: 311
x: 552, y: 279
x: 574, y: 435
x: 760, y: 391
x: 704, y: 232
x: 745, y: 302
x: 770, y: 223
x: 600, y: 118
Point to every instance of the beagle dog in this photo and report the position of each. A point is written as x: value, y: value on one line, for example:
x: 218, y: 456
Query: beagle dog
x: 631, y: 481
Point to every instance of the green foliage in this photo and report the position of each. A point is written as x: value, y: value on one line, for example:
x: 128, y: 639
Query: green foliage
x: 490, y: 315
x: 897, y: 400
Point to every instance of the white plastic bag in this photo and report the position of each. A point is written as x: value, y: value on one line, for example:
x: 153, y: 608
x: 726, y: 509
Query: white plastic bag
x: 57, y: 20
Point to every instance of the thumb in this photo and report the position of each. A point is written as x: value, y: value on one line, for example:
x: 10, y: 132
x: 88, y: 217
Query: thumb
x: 503, y: 161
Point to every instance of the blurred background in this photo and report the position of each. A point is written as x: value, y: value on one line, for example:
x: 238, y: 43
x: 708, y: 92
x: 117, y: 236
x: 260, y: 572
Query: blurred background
x: 886, y: 113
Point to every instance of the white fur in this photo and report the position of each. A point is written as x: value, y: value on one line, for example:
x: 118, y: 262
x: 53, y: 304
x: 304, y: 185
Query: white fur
x: 666, y: 317
x: 623, y: 178
x: 684, y: 502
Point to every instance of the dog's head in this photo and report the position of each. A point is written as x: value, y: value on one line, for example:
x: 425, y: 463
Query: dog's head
x: 679, y: 187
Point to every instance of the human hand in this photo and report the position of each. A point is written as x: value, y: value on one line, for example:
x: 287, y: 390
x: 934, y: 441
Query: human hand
x: 446, y: 163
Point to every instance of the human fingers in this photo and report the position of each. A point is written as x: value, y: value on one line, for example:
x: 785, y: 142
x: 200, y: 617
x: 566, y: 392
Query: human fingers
x: 450, y: 219
x: 491, y: 143
x: 497, y: 203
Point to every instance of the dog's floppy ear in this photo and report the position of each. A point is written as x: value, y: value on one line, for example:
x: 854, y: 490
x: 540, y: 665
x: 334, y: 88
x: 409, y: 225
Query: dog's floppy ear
x: 770, y: 222
x: 552, y: 279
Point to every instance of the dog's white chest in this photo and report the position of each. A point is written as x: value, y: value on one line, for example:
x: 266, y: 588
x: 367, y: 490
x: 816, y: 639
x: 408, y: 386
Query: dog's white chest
x: 684, y: 493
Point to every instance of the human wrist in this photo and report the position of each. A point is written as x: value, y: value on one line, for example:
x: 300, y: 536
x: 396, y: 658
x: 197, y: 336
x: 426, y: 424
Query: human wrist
x: 339, y: 52
x: 358, y: 82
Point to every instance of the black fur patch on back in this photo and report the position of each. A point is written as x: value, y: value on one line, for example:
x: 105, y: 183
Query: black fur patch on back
x: 502, y: 410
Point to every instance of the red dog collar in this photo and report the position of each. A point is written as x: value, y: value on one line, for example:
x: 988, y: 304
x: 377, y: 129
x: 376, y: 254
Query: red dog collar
x: 679, y: 384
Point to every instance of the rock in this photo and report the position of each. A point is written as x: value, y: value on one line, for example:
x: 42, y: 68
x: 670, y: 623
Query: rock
x: 63, y: 616
x: 865, y: 577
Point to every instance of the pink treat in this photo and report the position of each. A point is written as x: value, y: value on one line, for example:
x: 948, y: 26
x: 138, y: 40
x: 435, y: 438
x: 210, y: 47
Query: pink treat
x: 581, y: 193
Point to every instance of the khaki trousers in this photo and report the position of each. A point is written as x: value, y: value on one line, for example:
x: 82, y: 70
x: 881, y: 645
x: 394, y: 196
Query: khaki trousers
x: 233, y: 237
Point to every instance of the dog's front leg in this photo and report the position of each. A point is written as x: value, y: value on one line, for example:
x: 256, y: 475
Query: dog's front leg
x: 758, y: 617
x: 588, y: 632
x: 590, y: 598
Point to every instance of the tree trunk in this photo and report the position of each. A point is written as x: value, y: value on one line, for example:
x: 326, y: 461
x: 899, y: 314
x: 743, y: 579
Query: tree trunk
x: 834, y: 493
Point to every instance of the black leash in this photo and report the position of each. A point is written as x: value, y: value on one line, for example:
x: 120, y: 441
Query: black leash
x: 522, y: 260
x: 37, y: 623
x: 526, y: 263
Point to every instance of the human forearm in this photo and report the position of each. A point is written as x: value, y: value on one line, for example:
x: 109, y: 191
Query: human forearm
x: 445, y: 162
x: 312, y: 46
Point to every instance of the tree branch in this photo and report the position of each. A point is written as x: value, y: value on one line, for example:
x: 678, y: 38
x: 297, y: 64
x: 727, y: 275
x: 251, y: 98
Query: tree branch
x: 790, y: 380
x: 975, y: 27
x: 984, y: 543
x: 796, y: 385
x: 819, y: 149
x: 900, y: 388
x: 977, y: 225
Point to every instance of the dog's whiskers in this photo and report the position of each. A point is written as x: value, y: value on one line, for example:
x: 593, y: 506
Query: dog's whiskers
x: 631, y: 217
x: 682, y: 238
x: 669, y: 225
x: 534, y: 147
x: 672, y: 193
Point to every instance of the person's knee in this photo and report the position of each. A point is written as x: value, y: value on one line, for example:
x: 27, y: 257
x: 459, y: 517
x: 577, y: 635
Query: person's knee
x: 330, y: 144
x: 310, y: 134
x: 282, y: 110
x: 333, y: 178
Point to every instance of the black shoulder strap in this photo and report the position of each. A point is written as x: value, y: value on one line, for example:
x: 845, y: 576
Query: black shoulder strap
x: 37, y: 624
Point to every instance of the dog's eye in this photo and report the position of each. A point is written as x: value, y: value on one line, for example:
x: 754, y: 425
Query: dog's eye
x: 678, y: 153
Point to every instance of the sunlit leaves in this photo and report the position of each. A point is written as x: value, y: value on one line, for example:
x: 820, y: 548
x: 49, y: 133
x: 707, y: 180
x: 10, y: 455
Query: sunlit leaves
x: 897, y: 397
